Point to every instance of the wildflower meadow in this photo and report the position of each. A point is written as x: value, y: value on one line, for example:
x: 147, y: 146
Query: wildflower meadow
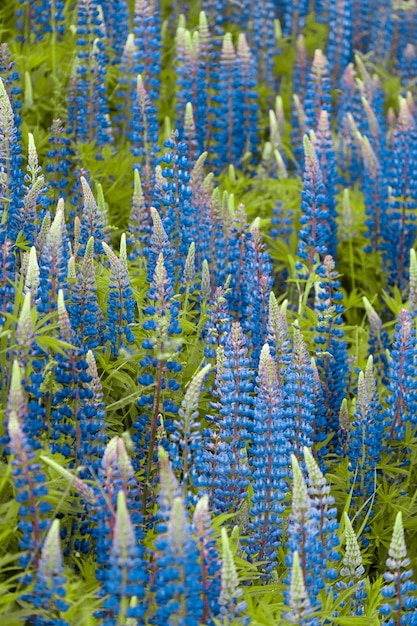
x: 208, y: 290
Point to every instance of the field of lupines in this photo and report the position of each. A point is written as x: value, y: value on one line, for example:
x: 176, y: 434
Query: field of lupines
x: 208, y: 295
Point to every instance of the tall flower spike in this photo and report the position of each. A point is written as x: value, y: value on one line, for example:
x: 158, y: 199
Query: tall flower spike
x: 126, y: 574
x: 49, y: 589
x: 85, y: 314
x: 186, y: 438
x: 230, y: 591
x: 121, y: 306
x: 298, y: 600
x: 30, y: 483
x: 400, y: 591
x: 314, y: 236
x: 92, y: 224
x: 269, y: 457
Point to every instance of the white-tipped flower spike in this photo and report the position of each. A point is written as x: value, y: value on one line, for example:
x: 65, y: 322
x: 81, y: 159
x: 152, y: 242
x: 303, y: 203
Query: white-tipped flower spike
x: 398, y: 550
x: 64, y: 322
x: 24, y: 330
x: 299, y: 601
x: 50, y: 564
x: 189, y: 405
x: 317, y: 482
x: 124, y: 534
x: 352, y: 561
x: 170, y: 488
x: 43, y: 233
x: 33, y: 165
x: 348, y: 220
x: 189, y: 267
x: 229, y: 579
x: 282, y: 170
x: 32, y: 279
x: 16, y: 401
x: 413, y: 282
x: 300, y: 497
x: 71, y: 272
x: 123, y: 250
x: 205, y: 289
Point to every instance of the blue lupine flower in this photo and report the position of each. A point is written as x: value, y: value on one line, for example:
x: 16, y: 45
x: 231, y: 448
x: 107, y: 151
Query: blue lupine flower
x: 72, y: 418
x: 92, y: 222
x: 314, y: 236
x: 126, y: 575
x: 229, y: 475
x: 382, y: 21
x: 147, y: 31
x: 143, y: 132
x: 88, y: 115
x: 160, y: 365
x: 269, y: 457
x: 49, y: 591
x: 31, y: 494
x: 209, y: 559
x: 298, y: 395
x: 53, y: 263
x: 402, y: 385
x: 295, y: 17
x: 85, y: 314
x: 177, y: 584
x: 116, y: 17
x: 339, y: 47
x: 318, y: 96
x: 301, y: 70
x: 401, y: 219
x: 246, y: 140
x: 11, y: 184
x: 36, y: 18
x: 121, y: 305
x: 331, y: 355
x: 313, y: 528
x: 323, y: 146
x: 378, y: 342
x: 263, y: 39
